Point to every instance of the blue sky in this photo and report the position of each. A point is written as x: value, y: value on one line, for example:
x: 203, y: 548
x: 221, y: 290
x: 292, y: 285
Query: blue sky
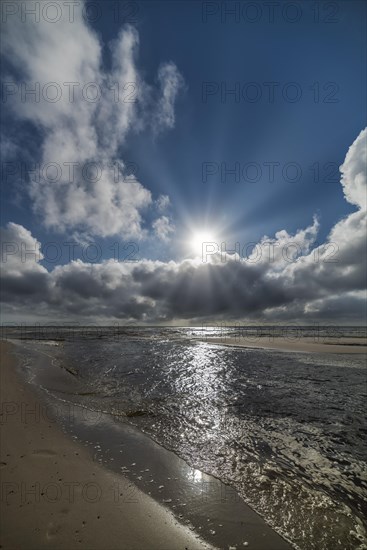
x: 180, y: 144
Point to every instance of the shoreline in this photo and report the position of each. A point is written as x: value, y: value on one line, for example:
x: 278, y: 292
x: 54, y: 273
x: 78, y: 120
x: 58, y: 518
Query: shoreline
x: 41, y: 464
x: 303, y: 345
x: 55, y: 496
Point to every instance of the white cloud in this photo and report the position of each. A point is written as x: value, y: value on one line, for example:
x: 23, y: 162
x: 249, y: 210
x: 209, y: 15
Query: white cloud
x: 354, y: 174
x: 341, y: 262
x: 20, y: 251
x: 78, y: 130
x: 285, y: 248
x: 171, y: 82
x: 24, y: 282
x: 162, y: 203
x: 8, y: 148
x: 163, y: 228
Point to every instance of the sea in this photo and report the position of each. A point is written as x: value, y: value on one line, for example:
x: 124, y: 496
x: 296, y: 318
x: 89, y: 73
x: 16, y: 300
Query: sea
x: 287, y: 430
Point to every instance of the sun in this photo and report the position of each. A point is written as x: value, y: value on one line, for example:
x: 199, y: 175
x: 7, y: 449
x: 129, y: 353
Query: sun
x: 200, y: 240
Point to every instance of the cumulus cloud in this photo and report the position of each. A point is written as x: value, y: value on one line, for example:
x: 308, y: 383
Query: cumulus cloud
x: 23, y: 280
x: 85, y: 114
x: 8, y: 148
x: 151, y: 291
x: 354, y: 174
x: 17, y: 247
x: 341, y: 262
x: 285, y: 248
x: 163, y: 202
x: 163, y: 228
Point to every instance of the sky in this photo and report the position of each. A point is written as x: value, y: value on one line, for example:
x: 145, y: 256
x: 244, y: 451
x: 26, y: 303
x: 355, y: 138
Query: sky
x: 183, y: 162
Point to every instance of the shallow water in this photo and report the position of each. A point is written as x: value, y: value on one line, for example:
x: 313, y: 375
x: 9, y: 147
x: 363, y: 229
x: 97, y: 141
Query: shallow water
x: 287, y: 430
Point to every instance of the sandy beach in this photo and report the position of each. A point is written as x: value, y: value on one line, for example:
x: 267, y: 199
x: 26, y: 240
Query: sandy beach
x: 307, y: 345
x: 55, y: 494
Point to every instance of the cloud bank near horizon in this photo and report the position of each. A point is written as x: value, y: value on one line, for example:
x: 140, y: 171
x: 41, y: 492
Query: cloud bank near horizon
x: 320, y: 282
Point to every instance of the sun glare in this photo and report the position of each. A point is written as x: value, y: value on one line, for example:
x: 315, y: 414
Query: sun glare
x: 199, y: 240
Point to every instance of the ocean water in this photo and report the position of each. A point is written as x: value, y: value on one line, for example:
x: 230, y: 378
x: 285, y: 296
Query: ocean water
x: 287, y: 430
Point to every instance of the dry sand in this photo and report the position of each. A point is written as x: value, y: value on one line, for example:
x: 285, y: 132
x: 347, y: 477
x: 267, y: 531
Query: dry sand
x: 40, y: 508
x: 339, y: 345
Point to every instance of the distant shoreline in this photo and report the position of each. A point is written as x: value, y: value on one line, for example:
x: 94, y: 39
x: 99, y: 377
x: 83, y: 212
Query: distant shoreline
x: 306, y: 344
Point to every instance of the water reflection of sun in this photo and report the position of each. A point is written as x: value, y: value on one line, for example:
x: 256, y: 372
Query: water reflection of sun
x: 195, y: 476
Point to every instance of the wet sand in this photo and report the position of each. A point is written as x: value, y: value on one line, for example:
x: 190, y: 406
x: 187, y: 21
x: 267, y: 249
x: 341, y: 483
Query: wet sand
x: 308, y: 345
x: 56, y: 493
